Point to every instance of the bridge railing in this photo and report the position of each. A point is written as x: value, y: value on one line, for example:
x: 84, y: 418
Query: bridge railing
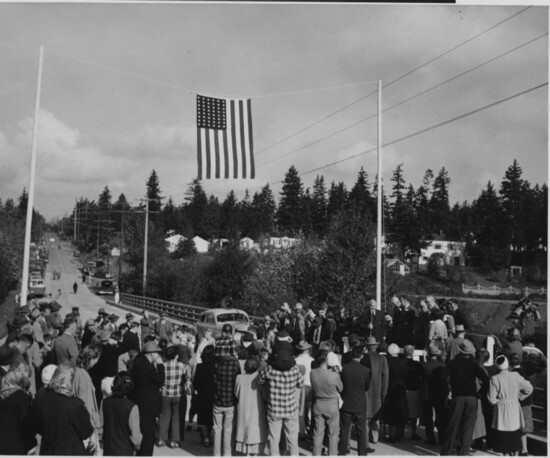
x: 184, y: 312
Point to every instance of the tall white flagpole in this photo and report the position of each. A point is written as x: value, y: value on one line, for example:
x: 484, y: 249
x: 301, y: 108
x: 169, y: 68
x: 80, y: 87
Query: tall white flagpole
x: 379, y: 206
x: 30, y: 200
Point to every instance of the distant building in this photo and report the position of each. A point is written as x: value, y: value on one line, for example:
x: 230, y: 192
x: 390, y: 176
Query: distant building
x: 282, y: 242
x: 115, y: 252
x: 398, y: 267
x: 247, y: 243
x: 453, y: 252
x: 201, y: 245
x: 171, y: 243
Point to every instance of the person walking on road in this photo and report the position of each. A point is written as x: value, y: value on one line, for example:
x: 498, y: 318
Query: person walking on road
x: 75, y: 287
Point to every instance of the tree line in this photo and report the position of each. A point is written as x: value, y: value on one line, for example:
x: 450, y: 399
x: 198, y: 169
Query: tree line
x: 13, y: 215
x: 506, y: 224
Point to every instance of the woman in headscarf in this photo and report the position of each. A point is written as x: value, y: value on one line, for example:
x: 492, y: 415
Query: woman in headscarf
x: 506, y: 390
x: 62, y: 419
x: 17, y: 434
x: 83, y: 386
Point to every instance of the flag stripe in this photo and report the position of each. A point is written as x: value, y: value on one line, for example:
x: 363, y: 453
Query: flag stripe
x: 250, y: 140
x: 208, y: 165
x: 226, y: 154
x: 234, y: 139
x: 199, y: 153
x: 217, y: 153
x: 243, y: 145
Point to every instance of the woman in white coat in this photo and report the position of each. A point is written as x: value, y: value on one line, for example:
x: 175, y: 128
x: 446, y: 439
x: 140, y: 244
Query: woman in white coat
x: 506, y: 389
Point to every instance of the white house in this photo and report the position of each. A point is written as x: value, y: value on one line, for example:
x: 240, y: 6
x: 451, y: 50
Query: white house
x: 247, y: 243
x: 398, y: 267
x: 171, y: 243
x: 201, y: 245
x: 282, y: 242
x: 453, y: 252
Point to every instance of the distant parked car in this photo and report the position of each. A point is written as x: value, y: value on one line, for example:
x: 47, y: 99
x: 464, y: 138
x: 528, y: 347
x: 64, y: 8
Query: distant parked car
x: 106, y: 287
x: 215, y: 319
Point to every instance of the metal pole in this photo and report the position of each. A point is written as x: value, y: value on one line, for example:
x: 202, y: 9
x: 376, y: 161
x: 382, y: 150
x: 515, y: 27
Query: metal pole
x: 74, y: 229
x: 145, y: 246
x: 30, y: 200
x: 121, y: 248
x: 379, y: 206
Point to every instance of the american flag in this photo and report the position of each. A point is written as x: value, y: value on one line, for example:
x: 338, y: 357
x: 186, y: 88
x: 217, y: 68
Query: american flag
x: 224, y: 138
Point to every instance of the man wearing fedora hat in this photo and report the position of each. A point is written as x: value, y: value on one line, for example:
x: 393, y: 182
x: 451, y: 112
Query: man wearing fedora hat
x: 283, y: 316
x: 452, y: 344
x: 378, y: 388
x: 148, y: 375
x: 461, y: 374
x: 298, y: 324
x: 65, y: 347
x: 54, y: 320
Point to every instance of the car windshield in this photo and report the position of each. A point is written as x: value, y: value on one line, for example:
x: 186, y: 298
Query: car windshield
x: 238, y: 317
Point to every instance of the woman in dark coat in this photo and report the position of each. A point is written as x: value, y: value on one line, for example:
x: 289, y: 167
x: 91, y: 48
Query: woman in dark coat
x: 17, y: 434
x: 61, y: 418
x: 203, y: 384
x: 121, y: 432
x: 396, y: 412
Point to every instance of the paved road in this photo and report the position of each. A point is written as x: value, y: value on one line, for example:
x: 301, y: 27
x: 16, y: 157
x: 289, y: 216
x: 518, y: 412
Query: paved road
x: 62, y: 260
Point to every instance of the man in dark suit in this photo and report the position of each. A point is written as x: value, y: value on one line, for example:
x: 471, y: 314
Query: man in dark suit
x: 130, y: 338
x: 148, y: 375
x: 368, y: 321
x: 378, y: 388
x: 356, y: 380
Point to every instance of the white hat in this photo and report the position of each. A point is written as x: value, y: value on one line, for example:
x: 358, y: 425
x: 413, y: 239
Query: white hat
x: 107, y: 386
x: 285, y: 306
x: 47, y: 374
x: 332, y: 360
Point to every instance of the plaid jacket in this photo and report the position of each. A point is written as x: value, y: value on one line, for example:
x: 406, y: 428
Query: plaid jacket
x: 225, y: 374
x: 174, y: 372
x: 282, y: 390
x: 225, y: 346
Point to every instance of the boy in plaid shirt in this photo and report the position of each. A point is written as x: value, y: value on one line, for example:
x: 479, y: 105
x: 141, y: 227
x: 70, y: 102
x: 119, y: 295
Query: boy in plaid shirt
x: 282, y: 409
x: 226, y: 369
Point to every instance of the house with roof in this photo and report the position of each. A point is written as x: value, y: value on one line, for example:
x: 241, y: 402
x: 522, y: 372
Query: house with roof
x: 453, y: 252
x: 397, y: 266
x: 171, y: 243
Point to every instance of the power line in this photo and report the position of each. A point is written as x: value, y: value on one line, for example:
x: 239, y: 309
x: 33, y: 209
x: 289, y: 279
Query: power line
x: 427, y: 129
x: 394, y: 81
x: 406, y: 100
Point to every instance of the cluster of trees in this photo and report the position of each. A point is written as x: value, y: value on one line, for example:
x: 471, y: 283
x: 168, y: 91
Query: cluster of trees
x: 503, y: 226
x: 12, y: 238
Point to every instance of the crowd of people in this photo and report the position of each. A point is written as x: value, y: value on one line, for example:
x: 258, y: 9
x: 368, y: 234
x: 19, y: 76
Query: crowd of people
x: 302, y: 376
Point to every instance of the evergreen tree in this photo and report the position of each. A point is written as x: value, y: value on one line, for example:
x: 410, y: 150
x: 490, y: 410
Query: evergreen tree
x: 195, y: 206
x: 319, y: 206
x: 337, y: 200
x: 170, y: 220
x: 211, y: 219
x: 22, y: 203
x: 121, y: 205
x: 245, y: 216
x: 104, y: 201
x: 514, y: 192
x: 489, y: 246
x: 289, y: 214
x: 263, y: 211
x: 439, y: 202
x: 154, y: 194
x: 229, y: 221
x: 307, y: 219
x: 360, y: 199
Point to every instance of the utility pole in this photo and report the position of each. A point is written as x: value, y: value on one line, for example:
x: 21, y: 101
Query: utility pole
x: 121, y: 249
x: 145, y: 246
x: 74, y: 229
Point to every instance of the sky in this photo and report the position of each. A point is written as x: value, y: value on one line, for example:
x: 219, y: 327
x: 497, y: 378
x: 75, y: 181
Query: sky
x: 120, y: 81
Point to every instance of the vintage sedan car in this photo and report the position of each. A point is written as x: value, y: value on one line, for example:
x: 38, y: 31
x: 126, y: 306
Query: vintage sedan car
x: 215, y: 319
x: 106, y: 288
